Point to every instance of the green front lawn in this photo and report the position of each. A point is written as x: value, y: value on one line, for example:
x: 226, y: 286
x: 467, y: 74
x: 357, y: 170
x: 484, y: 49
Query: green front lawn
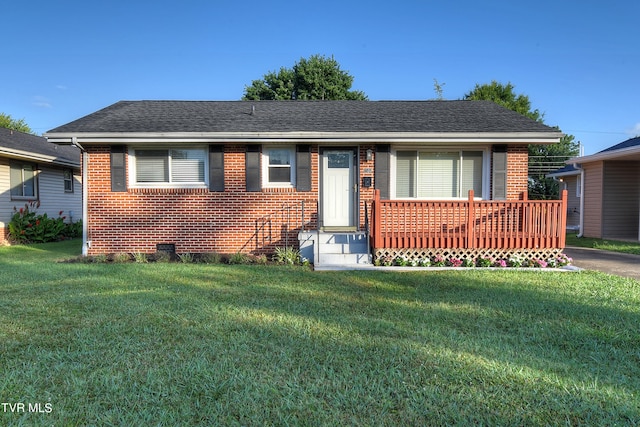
x: 195, y: 344
x: 604, y: 244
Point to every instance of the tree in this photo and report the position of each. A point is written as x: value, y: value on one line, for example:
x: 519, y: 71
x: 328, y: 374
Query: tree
x: 505, y: 96
x: 542, y: 158
x: 438, y: 88
x: 318, y: 77
x: 6, y: 121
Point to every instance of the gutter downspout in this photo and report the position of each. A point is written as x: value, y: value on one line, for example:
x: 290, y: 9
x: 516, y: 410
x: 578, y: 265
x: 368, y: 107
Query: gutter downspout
x: 581, y: 200
x: 85, y: 194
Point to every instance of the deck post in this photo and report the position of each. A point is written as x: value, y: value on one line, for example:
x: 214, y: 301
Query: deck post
x: 563, y: 220
x: 471, y: 229
x: 377, y: 232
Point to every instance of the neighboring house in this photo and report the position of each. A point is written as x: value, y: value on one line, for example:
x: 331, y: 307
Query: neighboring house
x: 251, y: 176
x: 33, y: 170
x: 570, y: 178
x: 611, y: 191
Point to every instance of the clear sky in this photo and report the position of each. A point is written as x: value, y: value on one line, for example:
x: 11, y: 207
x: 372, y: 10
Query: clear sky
x: 578, y: 61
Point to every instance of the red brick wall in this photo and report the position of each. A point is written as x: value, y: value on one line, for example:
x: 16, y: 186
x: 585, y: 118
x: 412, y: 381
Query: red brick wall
x: 196, y: 220
x: 517, y: 172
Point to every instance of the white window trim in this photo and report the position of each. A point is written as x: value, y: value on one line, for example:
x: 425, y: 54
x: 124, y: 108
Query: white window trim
x: 36, y: 179
x: 578, y: 185
x: 486, y: 169
x: 265, y: 167
x: 131, y: 160
x: 70, y: 180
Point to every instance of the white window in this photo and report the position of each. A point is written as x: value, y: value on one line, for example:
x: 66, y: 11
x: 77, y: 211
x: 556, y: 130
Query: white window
x: 68, y: 180
x: 578, y: 185
x: 168, y: 167
x: 278, y: 167
x: 23, y: 181
x: 439, y: 174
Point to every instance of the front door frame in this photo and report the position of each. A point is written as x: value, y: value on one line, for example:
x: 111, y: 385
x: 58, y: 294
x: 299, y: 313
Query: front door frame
x: 355, y: 200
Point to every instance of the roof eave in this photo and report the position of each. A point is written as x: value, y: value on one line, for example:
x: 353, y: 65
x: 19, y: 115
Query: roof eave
x: 26, y: 155
x: 606, y: 155
x: 266, y: 137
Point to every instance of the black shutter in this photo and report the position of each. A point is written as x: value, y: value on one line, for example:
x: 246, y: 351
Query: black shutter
x: 252, y: 167
x: 499, y: 172
x: 216, y: 168
x: 381, y: 178
x: 118, y: 170
x: 303, y: 168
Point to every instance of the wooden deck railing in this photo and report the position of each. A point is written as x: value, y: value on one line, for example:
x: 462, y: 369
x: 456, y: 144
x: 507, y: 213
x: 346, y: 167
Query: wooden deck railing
x: 522, y: 224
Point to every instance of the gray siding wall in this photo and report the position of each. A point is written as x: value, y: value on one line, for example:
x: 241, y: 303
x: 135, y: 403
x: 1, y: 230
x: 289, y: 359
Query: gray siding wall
x: 621, y: 201
x: 52, y: 196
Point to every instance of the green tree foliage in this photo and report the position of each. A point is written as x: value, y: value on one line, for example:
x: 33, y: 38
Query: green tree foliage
x: 504, y: 95
x: 542, y: 158
x: 6, y: 121
x: 317, y: 77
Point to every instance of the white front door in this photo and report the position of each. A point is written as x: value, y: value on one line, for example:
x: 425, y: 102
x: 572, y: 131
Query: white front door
x: 338, y: 190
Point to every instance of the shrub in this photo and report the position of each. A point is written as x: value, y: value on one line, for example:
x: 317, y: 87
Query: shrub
x: 484, y: 262
x: 186, y: 258
x: 424, y: 262
x: 140, y: 257
x: 121, y: 257
x: 238, y: 258
x: 289, y: 256
x: 467, y: 262
x: 210, y: 258
x: 455, y: 262
x: 27, y: 226
x: 439, y: 261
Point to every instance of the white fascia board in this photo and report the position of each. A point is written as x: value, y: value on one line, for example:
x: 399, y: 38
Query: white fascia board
x: 35, y: 157
x: 323, y: 137
x: 607, y: 155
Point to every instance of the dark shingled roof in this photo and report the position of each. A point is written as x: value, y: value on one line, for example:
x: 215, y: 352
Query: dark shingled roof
x: 35, y: 146
x: 633, y: 142
x: 303, y: 116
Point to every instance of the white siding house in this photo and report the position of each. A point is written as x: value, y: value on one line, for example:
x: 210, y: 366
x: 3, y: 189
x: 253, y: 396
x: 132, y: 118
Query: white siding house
x: 32, y: 170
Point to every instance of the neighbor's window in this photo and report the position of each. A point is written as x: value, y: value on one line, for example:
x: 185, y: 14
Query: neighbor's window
x: 450, y: 174
x: 68, y: 180
x: 23, y: 180
x: 278, y: 166
x: 170, y: 167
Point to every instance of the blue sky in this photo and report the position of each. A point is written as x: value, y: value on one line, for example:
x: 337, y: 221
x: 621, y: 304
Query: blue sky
x: 576, y: 60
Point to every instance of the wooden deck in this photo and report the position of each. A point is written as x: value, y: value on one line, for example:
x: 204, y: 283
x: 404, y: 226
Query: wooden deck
x: 470, y: 224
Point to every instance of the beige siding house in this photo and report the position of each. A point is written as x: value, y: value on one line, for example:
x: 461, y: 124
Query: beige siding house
x: 32, y: 170
x: 611, y: 191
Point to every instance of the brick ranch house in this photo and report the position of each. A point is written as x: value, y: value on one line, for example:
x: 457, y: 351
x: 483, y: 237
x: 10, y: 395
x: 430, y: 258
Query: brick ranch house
x: 328, y: 177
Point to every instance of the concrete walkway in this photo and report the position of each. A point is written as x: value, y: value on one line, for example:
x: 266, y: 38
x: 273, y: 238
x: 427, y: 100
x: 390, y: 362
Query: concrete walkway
x: 625, y: 265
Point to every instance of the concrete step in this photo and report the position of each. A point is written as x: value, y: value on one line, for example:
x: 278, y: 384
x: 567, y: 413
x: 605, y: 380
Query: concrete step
x: 343, y: 242
x: 340, y: 248
x: 343, y: 259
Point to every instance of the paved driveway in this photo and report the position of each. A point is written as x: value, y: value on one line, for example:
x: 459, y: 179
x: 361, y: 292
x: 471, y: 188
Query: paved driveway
x: 625, y: 265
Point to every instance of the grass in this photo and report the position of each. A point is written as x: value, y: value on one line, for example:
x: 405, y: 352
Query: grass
x: 196, y: 344
x: 607, y: 245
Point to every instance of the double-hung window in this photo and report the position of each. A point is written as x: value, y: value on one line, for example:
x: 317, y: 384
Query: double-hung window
x: 278, y: 166
x: 68, y: 180
x: 23, y: 180
x: 438, y: 174
x: 169, y: 167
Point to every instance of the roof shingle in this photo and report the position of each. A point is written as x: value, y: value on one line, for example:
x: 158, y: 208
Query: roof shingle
x: 32, y: 146
x: 303, y: 116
